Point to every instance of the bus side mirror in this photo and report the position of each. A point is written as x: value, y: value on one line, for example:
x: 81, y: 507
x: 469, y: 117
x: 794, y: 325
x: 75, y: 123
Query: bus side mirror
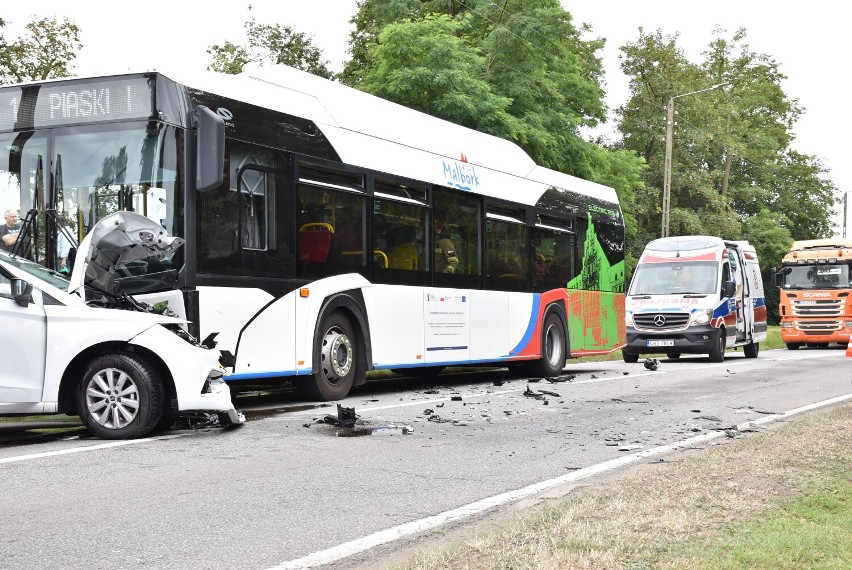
x: 209, y: 149
x: 22, y: 292
x: 730, y: 288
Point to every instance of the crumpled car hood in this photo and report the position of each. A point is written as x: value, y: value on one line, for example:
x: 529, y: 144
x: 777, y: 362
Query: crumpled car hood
x: 118, y: 239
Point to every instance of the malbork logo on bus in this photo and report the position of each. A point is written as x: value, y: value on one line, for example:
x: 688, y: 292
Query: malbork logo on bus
x: 461, y: 174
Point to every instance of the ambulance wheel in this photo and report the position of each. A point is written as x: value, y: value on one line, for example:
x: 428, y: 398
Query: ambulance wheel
x: 751, y: 349
x: 718, y: 352
x: 673, y: 355
x: 336, y: 360
x: 630, y: 357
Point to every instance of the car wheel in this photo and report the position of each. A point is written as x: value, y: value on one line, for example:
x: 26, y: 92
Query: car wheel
x: 751, y: 350
x: 120, y: 396
x: 630, y: 357
x: 336, y: 360
x: 553, y: 348
x: 718, y: 352
x: 673, y: 355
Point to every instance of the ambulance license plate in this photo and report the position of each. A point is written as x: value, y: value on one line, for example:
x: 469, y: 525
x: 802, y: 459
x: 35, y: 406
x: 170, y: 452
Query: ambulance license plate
x: 661, y: 343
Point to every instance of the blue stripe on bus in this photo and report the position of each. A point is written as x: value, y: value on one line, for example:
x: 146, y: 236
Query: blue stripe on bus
x: 257, y: 375
x: 531, y: 326
x: 446, y: 348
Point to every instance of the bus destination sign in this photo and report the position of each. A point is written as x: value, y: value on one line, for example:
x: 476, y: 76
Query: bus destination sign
x: 48, y: 105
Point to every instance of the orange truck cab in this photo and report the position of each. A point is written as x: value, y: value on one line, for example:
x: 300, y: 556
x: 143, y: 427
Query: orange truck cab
x: 815, y: 293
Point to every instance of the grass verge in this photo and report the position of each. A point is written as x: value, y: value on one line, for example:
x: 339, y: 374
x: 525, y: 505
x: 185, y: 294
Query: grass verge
x: 776, y: 500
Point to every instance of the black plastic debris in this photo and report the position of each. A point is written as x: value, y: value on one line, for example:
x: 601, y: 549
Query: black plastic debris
x: 652, y: 363
x: 529, y: 393
x: 428, y: 412
x: 456, y: 398
x: 562, y: 378
x: 554, y: 394
x: 346, y: 417
x: 534, y: 380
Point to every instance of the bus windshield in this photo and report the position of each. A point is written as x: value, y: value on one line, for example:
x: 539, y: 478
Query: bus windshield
x: 697, y: 277
x: 816, y: 277
x: 98, y: 170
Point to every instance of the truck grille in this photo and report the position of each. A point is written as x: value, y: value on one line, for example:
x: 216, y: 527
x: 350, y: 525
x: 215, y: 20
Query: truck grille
x: 660, y: 321
x: 818, y: 327
x: 818, y: 307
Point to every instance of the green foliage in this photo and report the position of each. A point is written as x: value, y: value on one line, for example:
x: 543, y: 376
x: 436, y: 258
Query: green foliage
x: 272, y: 44
x: 733, y: 173
x: 44, y: 51
x: 515, y: 69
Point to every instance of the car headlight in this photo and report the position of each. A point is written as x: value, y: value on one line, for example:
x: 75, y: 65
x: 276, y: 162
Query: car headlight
x: 701, y: 317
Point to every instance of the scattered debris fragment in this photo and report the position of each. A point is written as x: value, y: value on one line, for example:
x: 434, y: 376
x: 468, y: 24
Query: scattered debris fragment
x: 428, y: 412
x: 711, y: 418
x: 456, y: 398
x: 554, y: 394
x: 562, y: 378
x: 392, y: 429
x: 534, y: 380
x: 625, y: 373
x: 619, y: 400
x: 346, y: 417
x: 593, y: 376
x: 652, y: 363
x: 498, y: 382
x: 530, y: 393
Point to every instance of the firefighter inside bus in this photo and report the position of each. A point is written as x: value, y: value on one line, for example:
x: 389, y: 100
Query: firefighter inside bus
x: 446, y: 259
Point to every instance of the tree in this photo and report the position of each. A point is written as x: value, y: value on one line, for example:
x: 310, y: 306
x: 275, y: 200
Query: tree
x: 273, y: 44
x: 45, y: 51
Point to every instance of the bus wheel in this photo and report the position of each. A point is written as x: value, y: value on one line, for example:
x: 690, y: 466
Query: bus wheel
x: 630, y: 357
x: 718, y: 352
x: 336, y: 360
x: 751, y: 349
x: 120, y: 397
x: 553, y: 348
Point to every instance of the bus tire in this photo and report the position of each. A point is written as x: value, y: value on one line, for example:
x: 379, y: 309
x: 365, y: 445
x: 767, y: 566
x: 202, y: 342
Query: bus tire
x: 630, y: 357
x: 751, y: 350
x: 718, y: 352
x: 554, y: 348
x: 336, y: 360
x: 120, y: 396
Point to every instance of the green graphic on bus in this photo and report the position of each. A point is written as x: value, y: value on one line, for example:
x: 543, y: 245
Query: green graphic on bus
x: 596, y: 300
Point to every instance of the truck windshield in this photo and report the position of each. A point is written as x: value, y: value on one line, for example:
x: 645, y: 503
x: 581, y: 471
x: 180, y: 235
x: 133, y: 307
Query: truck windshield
x: 816, y: 277
x: 677, y: 277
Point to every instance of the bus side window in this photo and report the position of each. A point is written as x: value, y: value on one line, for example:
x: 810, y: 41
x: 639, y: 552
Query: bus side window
x: 456, y: 223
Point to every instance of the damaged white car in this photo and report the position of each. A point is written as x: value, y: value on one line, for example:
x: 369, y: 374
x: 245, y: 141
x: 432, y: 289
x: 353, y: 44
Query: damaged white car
x: 81, y: 347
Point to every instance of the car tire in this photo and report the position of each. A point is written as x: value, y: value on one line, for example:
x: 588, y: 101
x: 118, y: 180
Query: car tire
x: 120, y: 396
x: 673, y: 355
x: 718, y: 352
x: 751, y: 350
x: 336, y: 358
x: 630, y: 357
x: 554, y: 348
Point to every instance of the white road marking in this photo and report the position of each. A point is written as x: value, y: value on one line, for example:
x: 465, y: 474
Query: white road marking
x: 395, y: 533
x: 84, y: 449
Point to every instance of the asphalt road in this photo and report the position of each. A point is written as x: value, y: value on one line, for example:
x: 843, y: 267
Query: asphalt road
x: 288, y: 490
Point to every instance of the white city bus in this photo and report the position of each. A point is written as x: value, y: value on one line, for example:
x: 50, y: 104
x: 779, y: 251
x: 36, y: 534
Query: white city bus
x: 310, y: 211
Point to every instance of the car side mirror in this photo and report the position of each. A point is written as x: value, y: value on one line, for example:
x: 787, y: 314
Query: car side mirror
x: 730, y: 288
x: 22, y: 292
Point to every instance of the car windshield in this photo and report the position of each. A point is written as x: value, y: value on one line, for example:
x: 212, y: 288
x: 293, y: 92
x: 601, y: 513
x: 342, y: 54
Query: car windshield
x: 832, y: 276
x: 49, y: 276
x: 695, y: 277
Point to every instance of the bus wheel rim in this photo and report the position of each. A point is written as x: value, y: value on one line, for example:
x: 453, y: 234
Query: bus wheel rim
x: 336, y: 355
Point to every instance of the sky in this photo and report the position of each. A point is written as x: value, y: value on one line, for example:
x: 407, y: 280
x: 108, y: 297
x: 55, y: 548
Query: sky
x: 810, y: 41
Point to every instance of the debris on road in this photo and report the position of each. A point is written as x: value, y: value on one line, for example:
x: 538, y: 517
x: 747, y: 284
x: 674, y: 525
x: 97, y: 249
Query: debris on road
x: 652, y: 363
x: 562, y: 378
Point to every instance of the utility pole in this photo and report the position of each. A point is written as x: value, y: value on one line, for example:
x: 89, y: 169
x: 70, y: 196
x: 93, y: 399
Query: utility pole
x: 667, y: 165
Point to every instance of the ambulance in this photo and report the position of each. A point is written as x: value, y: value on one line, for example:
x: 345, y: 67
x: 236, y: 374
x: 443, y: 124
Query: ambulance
x: 695, y: 295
